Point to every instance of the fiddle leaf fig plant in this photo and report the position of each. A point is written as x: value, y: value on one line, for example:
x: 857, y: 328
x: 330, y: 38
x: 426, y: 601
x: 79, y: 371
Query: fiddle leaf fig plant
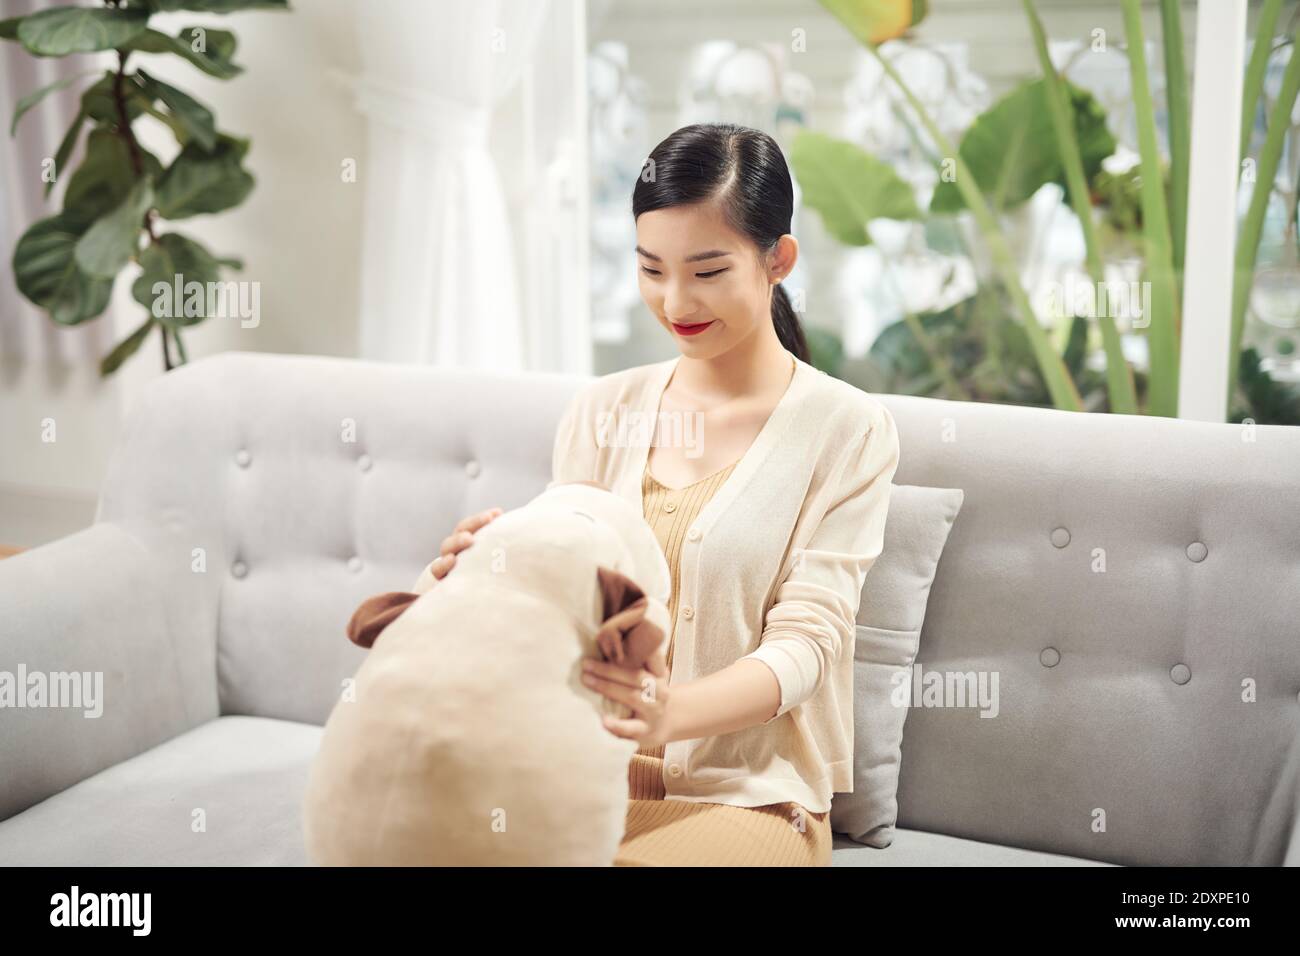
x: 119, y: 204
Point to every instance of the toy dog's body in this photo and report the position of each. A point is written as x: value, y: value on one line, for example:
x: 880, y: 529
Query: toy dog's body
x: 468, y: 738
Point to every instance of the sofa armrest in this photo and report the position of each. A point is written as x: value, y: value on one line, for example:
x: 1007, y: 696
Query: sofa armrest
x: 1289, y: 785
x: 107, y: 648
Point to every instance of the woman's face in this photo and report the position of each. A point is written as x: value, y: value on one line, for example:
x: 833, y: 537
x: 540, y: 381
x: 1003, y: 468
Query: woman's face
x: 697, y: 275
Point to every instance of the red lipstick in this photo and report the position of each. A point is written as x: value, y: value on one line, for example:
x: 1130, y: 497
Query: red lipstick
x: 690, y: 329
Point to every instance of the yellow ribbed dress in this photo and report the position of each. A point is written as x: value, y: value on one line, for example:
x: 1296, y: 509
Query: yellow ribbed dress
x: 662, y: 832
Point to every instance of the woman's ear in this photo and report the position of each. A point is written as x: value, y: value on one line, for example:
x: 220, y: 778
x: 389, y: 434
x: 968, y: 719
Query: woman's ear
x: 626, y: 637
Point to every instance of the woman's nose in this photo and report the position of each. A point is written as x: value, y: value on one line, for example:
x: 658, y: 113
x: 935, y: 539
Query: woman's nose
x: 677, y: 302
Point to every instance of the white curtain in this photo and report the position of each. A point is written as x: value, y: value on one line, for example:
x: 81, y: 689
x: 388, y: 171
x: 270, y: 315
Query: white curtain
x: 438, y: 283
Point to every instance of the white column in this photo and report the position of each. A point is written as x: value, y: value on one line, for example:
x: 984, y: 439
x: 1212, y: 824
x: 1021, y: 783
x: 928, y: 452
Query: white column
x: 1212, y: 210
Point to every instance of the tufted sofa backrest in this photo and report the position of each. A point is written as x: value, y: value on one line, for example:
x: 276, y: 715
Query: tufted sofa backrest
x: 1133, y: 582
x: 309, y: 483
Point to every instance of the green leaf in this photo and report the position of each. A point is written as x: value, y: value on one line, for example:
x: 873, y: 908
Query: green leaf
x: 203, y: 182
x: 213, y: 56
x: 175, y: 259
x: 1252, y: 226
x: 216, y: 6
x: 31, y: 99
x: 9, y: 28
x: 100, y: 102
x: 65, y: 30
x: 105, y: 176
x: 1260, y: 51
x: 65, y: 149
x: 1162, y: 327
x: 848, y: 186
x: 110, y: 243
x: 196, y: 117
x: 172, y: 123
x: 1119, y: 375
x: 126, y: 348
x: 1076, y: 346
x: 1011, y: 149
x: 46, y: 272
x: 1179, y: 125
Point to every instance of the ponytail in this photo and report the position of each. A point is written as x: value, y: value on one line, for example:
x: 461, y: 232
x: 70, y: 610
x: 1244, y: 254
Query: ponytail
x: 786, y: 322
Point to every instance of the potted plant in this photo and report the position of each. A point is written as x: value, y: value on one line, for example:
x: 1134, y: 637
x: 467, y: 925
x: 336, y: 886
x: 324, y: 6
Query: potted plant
x: 119, y: 204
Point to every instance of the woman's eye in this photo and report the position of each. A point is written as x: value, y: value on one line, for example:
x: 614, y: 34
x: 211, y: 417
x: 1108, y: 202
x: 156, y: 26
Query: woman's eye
x: 699, y: 275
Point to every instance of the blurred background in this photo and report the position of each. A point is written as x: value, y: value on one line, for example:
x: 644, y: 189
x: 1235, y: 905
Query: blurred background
x: 449, y: 183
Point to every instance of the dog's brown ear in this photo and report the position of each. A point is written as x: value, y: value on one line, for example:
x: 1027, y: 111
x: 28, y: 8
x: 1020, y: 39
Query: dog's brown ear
x: 375, y: 614
x: 625, y: 637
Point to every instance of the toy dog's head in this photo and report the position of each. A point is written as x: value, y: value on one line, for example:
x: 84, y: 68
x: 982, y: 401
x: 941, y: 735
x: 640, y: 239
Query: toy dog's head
x: 582, y: 546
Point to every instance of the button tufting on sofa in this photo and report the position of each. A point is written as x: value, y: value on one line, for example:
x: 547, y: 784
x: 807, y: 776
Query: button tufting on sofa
x: 1180, y: 673
x: 354, y: 564
x: 364, y: 462
x: 472, y: 468
x: 274, y: 649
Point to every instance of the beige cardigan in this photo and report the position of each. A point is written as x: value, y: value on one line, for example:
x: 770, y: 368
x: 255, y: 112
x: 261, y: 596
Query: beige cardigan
x: 772, y: 569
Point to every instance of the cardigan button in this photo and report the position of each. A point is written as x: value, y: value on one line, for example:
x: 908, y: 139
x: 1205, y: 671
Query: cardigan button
x: 670, y: 507
x: 674, y: 770
x: 688, y: 612
x: 693, y: 534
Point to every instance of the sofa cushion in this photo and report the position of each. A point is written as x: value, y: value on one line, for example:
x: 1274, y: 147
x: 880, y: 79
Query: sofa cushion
x: 919, y: 848
x: 247, y: 775
x: 888, y: 635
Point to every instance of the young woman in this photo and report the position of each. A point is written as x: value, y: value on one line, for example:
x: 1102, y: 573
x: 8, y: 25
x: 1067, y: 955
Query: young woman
x: 767, y: 483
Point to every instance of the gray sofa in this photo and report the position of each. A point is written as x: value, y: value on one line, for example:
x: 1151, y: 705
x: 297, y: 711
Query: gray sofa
x: 1148, y: 714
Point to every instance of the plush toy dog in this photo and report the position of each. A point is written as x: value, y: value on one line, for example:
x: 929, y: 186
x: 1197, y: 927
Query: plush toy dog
x: 468, y: 738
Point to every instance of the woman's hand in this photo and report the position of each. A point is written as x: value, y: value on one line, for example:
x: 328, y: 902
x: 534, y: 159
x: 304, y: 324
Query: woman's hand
x: 644, y: 689
x: 461, y: 537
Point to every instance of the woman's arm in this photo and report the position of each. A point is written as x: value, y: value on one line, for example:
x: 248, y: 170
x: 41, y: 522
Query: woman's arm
x: 736, y: 697
x: 812, y: 624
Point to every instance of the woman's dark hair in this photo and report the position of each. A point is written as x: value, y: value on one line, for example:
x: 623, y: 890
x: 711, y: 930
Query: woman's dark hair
x: 741, y: 169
